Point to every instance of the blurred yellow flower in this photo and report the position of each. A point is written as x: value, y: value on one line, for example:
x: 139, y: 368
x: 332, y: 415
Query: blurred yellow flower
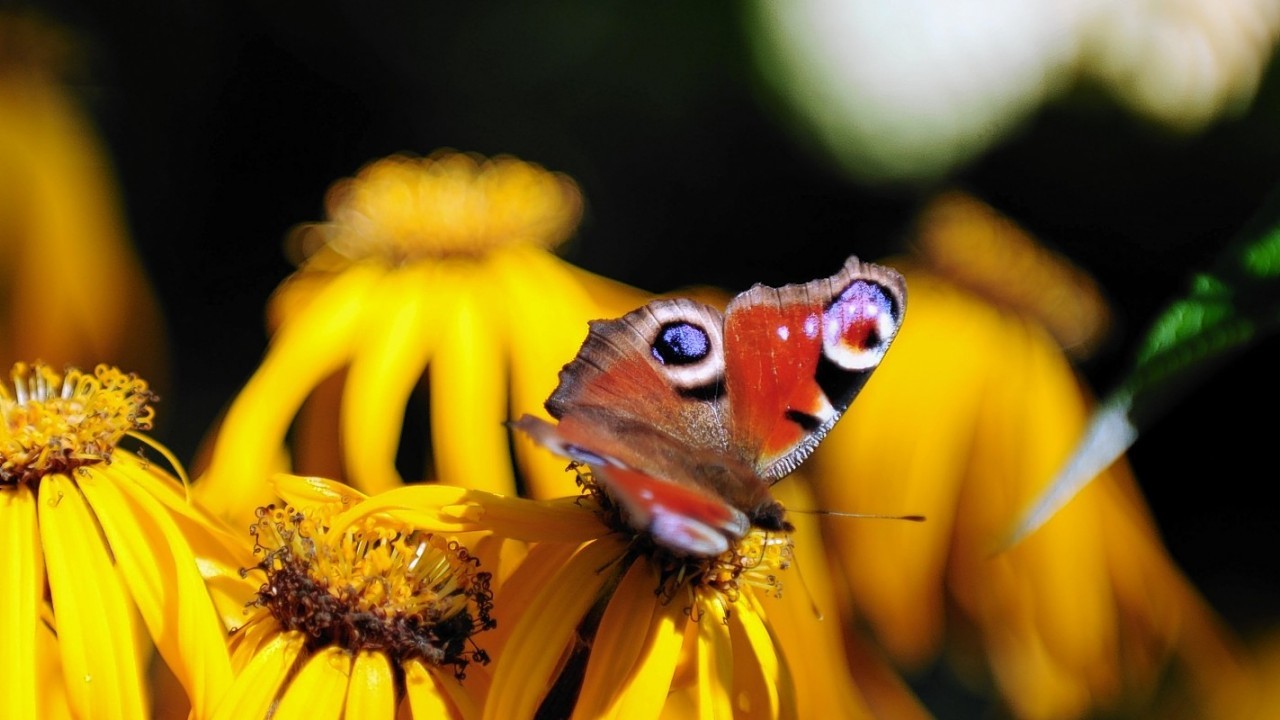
x: 970, y: 416
x: 95, y: 537
x: 59, y: 209
x: 975, y: 247
x: 436, y: 265
x: 357, y: 614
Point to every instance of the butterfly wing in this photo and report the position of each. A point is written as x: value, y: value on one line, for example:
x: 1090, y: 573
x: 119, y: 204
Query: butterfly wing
x: 649, y: 388
x: 796, y: 356
x: 643, y: 404
x: 685, y: 415
x: 681, y: 517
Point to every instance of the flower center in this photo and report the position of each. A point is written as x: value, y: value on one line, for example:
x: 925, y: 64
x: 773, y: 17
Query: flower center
x: 54, y: 423
x: 373, y: 586
x: 710, y: 582
x: 402, y: 208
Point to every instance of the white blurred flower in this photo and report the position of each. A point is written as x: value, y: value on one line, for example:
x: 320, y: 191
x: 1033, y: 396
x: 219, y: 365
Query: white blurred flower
x: 911, y: 88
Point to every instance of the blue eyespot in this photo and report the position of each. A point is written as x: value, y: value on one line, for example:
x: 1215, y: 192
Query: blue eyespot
x: 681, y: 343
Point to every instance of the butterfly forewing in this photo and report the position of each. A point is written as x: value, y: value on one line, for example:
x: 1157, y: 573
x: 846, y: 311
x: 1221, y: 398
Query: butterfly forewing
x: 797, y: 355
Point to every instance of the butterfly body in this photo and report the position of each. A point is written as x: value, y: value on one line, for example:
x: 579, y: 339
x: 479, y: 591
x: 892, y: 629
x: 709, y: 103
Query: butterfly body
x: 687, y: 415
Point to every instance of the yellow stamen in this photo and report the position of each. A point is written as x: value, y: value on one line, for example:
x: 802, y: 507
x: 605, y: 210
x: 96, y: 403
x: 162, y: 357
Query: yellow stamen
x: 403, y: 208
x: 53, y: 423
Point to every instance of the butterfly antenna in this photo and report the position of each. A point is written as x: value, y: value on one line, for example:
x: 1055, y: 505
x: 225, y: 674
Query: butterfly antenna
x: 864, y: 516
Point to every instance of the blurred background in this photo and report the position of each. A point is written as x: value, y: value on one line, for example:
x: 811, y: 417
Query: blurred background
x: 713, y: 148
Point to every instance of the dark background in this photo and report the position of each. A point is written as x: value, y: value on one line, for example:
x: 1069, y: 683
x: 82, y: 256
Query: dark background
x: 228, y: 120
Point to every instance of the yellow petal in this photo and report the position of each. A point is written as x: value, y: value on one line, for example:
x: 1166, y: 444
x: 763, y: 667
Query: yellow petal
x: 255, y: 630
x: 209, y: 535
x: 901, y: 450
x: 1046, y: 606
x: 713, y: 655
x: 312, y: 346
x: 559, y: 520
x: 319, y: 689
x: 52, y: 685
x: 431, y: 507
x: 258, y: 685
x: 404, y: 316
x: 101, y: 656
x: 500, y: 556
x: 548, y: 309
x: 431, y: 698
x: 220, y: 555
x: 762, y: 684
x: 372, y: 693
x: 524, y: 670
x: 537, y: 571
x: 161, y: 573
x: 806, y: 619
x: 445, y: 508
x: 22, y: 568
x: 307, y: 490
x: 469, y: 393
x: 633, y: 656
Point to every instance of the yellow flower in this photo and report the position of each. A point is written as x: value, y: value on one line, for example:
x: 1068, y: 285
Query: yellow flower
x: 598, y: 621
x: 965, y: 422
x: 357, y: 613
x: 436, y: 265
x: 94, y: 538
x: 59, y: 208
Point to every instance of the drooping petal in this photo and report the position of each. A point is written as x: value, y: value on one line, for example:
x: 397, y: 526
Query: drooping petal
x: 165, y: 583
x: 1046, y: 606
x: 446, y: 508
x: 469, y: 394
x: 402, y: 335
x: 22, y: 567
x: 261, y: 682
x: 762, y: 682
x: 101, y: 654
x: 711, y: 694
x: 524, y: 670
x: 806, y: 620
x: 318, y: 691
x: 537, y: 571
x: 548, y: 310
x: 898, y: 452
x: 208, y: 535
x: 633, y: 656
x: 162, y: 576
x: 219, y: 555
x: 1155, y: 599
x: 312, y: 346
x: 372, y: 691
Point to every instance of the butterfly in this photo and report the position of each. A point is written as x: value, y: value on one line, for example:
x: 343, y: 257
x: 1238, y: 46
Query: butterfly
x: 687, y: 416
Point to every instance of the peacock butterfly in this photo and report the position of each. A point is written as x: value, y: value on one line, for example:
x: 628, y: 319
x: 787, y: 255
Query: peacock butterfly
x: 687, y: 416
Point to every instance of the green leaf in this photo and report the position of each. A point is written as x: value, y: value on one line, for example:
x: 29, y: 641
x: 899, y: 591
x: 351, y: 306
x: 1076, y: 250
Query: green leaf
x: 1224, y: 311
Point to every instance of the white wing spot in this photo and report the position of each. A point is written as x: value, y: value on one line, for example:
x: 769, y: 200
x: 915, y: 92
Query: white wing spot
x: 811, y: 326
